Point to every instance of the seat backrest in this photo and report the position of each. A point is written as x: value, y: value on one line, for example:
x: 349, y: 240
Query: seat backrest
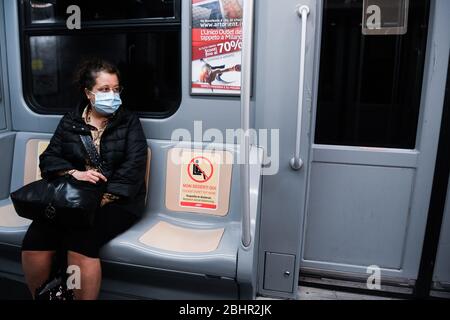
x: 35, y: 147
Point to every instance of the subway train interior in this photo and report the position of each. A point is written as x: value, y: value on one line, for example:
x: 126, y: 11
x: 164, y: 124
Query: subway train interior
x: 329, y: 121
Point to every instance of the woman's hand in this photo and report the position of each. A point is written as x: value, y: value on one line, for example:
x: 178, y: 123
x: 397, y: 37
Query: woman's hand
x: 108, y: 198
x: 91, y: 176
x: 105, y: 201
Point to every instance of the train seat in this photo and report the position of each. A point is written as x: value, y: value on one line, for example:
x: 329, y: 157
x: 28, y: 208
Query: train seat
x: 27, y: 151
x: 174, y: 240
x: 25, y: 165
x: 186, y: 245
x: 180, y: 238
x: 159, y: 242
x: 8, y: 216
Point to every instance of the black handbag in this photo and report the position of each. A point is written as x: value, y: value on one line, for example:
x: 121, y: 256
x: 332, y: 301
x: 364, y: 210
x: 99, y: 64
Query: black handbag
x: 63, y: 200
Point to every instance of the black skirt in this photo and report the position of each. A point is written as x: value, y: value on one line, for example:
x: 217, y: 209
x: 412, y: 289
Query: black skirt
x: 110, y: 221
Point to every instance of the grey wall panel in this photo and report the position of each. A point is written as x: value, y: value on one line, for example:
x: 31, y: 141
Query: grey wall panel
x: 279, y: 271
x: 277, y: 47
x: 356, y: 214
x: 215, y: 112
x: 442, y: 267
x: 6, y: 162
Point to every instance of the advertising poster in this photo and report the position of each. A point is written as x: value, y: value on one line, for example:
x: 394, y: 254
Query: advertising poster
x: 216, y: 47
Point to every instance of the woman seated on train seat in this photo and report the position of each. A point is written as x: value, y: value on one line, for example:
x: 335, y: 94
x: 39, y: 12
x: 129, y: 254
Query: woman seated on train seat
x: 119, y: 138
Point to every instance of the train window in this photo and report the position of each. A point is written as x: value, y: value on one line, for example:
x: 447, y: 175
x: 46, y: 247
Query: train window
x: 52, y: 11
x: 148, y: 55
x: 370, y: 85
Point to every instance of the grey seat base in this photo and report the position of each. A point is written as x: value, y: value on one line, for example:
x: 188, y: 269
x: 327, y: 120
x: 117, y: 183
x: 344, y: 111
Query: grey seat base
x: 127, y: 249
x: 133, y: 271
x: 137, y: 282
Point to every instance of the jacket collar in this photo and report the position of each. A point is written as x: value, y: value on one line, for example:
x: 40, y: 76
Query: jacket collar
x: 77, y: 116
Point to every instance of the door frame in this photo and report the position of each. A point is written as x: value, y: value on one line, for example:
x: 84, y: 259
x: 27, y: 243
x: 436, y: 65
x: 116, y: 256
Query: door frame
x: 437, y: 204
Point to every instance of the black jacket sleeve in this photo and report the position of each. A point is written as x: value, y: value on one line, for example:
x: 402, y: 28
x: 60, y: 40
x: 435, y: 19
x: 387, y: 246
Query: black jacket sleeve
x: 127, y: 179
x: 51, y: 160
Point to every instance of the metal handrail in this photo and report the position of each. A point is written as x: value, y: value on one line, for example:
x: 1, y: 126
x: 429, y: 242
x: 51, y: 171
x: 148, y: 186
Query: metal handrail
x: 296, y: 162
x: 247, y: 52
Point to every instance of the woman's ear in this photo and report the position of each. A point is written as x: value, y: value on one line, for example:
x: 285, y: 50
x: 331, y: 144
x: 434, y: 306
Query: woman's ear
x: 90, y: 96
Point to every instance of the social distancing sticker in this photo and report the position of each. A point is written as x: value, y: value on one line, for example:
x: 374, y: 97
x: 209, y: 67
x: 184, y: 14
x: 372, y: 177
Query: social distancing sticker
x: 200, y: 173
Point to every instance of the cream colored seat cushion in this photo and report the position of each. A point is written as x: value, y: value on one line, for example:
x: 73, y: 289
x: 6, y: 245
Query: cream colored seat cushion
x: 8, y: 215
x: 34, y: 149
x: 166, y: 236
x: 10, y: 219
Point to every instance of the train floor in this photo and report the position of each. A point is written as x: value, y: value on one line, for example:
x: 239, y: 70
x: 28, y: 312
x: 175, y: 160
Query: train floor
x: 13, y: 290
x: 308, y: 293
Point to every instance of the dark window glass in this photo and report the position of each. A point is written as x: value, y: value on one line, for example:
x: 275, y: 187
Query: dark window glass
x: 148, y: 63
x: 369, y: 86
x: 148, y: 56
x: 54, y: 11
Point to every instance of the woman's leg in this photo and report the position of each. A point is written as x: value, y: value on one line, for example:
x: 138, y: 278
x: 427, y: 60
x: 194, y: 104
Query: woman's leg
x: 38, y: 249
x: 90, y: 275
x: 37, y: 266
x: 84, y: 244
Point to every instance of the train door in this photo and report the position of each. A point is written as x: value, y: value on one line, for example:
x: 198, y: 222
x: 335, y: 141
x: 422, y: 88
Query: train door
x: 366, y: 129
x: 440, y: 267
x: 441, y: 276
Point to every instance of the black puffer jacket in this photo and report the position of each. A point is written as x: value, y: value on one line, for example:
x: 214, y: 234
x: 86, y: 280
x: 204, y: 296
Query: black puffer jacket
x: 123, y: 150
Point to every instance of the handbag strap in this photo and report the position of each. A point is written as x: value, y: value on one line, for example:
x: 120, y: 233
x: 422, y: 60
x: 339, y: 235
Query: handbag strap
x: 92, y: 152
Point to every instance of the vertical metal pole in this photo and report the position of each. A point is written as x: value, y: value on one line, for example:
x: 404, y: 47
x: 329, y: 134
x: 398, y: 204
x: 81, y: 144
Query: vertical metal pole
x: 247, y: 53
x: 296, y: 162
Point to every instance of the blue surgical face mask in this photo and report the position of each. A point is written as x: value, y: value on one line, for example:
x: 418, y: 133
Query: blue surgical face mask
x: 106, y: 103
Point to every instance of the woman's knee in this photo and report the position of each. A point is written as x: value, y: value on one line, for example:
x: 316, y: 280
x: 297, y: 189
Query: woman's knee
x: 81, y: 259
x: 38, y: 256
x: 37, y: 266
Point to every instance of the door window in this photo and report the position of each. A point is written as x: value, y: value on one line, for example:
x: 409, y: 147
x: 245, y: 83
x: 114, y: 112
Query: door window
x: 370, y: 85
